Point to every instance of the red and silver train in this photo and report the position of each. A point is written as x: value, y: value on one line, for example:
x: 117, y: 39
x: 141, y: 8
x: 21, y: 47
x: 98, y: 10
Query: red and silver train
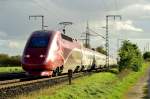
x: 50, y: 53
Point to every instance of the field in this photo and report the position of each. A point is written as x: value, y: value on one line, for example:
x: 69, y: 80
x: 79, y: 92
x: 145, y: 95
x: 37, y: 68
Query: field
x: 10, y: 69
x: 106, y: 85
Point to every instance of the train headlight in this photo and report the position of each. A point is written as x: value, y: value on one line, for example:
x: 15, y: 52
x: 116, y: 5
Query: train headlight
x: 42, y: 56
x: 27, y: 56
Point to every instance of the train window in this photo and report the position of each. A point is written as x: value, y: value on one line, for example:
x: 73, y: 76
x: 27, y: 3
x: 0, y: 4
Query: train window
x: 38, y: 42
x: 66, y: 38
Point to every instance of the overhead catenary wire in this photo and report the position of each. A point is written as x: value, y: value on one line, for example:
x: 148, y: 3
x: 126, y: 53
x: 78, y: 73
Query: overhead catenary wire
x: 46, y: 9
x: 96, y: 34
x: 116, y: 5
x: 104, y: 5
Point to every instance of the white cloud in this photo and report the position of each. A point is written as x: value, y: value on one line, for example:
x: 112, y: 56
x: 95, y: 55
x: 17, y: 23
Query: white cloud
x: 9, y: 43
x: 147, y: 7
x: 3, y: 42
x: 2, y: 34
x: 13, y: 44
x: 16, y: 44
x: 12, y: 47
x: 127, y: 26
x: 136, y: 11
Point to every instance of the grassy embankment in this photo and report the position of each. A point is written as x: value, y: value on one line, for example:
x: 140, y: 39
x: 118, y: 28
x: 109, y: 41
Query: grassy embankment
x: 10, y: 69
x: 104, y: 85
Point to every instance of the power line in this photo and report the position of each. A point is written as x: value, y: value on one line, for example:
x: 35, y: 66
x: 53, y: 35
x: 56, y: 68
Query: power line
x: 89, y: 32
x: 46, y: 9
x: 116, y: 5
x: 97, y: 34
x: 105, y: 6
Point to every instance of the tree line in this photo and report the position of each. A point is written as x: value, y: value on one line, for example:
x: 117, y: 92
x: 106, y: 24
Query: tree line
x: 6, y: 60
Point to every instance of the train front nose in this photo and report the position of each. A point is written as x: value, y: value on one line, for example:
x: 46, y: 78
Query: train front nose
x: 36, y: 64
x: 34, y: 57
x: 35, y: 52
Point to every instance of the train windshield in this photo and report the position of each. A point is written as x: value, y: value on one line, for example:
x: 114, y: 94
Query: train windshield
x: 38, y: 42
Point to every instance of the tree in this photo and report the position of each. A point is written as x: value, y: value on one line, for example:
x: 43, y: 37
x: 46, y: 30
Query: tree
x: 6, y: 60
x: 3, y: 57
x: 146, y: 56
x: 101, y: 50
x: 87, y: 46
x: 130, y: 56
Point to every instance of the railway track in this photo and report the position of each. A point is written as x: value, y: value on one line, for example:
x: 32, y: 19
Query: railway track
x: 16, y: 87
x: 9, y: 76
x: 27, y: 78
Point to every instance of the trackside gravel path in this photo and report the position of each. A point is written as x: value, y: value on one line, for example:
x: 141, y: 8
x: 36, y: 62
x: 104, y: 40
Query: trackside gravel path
x: 137, y: 91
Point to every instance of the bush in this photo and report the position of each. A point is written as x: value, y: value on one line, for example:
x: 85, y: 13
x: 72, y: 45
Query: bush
x: 101, y: 50
x: 146, y: 56
x: 130, y: 57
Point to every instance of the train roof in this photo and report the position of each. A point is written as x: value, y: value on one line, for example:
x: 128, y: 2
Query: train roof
x: 43, y: 32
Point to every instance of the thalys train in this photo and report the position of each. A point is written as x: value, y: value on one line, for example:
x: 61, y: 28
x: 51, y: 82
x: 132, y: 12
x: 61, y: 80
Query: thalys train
x: 50, y: 53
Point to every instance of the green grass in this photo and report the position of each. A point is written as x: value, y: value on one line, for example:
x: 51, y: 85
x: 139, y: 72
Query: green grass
x: 10, y: 69
x: 106, y: 85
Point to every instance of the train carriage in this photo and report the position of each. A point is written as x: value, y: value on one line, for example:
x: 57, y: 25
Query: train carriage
x: 50, y: 53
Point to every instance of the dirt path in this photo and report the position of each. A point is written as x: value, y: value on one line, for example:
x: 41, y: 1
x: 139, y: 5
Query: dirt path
x: 137, y: 91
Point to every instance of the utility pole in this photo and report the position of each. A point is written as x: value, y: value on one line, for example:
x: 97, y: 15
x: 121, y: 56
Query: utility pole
x: 88, y: 34
x: 107, y: 37
x: 87, y: 39
x: 64, y: 24
x: 42, y: 18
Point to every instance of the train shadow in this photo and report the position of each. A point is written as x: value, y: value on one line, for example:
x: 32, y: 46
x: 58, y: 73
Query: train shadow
x: 113, y: 71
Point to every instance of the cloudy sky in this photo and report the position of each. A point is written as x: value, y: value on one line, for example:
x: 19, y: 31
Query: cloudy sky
x: 15, y: 26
